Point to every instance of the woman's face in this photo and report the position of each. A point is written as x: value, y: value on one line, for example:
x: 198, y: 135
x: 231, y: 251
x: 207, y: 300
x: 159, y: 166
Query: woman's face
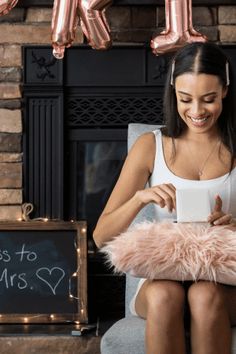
x: 199, y: 100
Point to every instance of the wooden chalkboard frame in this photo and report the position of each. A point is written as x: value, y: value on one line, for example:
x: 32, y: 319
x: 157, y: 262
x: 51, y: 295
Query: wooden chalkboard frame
x: 81, y: 315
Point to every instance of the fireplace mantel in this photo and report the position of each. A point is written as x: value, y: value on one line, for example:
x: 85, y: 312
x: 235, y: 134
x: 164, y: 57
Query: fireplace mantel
x: 27, y: 3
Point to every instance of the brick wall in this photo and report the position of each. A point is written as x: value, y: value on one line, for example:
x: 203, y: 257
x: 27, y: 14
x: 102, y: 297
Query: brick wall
x: 32, y: 26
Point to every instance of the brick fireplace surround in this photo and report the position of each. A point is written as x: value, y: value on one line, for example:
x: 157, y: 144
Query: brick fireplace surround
x: 31, y: 25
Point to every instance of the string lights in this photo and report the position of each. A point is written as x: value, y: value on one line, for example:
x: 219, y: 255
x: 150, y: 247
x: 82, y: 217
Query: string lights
x: 74, y: 278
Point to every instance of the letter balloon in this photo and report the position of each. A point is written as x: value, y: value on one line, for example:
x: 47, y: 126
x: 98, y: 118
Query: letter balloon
x: 179, y: 28
x: 6, y: 6
x: 94, y: 24
x: 64, y: 22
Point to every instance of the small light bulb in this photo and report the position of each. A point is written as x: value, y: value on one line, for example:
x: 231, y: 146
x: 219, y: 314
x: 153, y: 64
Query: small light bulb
x: 45, y: 219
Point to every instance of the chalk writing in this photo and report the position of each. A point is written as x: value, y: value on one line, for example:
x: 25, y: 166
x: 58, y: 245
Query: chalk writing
x: 45, y: 274
x: 51, y: 277
x: 30, y: 256
x: 11, y: 280
x: 4, y: 256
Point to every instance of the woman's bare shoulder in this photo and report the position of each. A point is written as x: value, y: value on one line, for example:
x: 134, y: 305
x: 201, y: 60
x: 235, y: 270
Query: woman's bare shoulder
x: 144, y: 149
x: 145, y: 141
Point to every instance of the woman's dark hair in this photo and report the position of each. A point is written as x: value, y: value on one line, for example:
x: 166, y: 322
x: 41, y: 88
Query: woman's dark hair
x: 206, y: 58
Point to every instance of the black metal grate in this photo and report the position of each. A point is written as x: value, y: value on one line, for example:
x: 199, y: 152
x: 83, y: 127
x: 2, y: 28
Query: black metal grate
x: 92, y: 111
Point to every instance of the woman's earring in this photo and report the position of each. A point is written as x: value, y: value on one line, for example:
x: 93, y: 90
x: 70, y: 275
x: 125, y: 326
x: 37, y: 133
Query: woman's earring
x: 172, y: 73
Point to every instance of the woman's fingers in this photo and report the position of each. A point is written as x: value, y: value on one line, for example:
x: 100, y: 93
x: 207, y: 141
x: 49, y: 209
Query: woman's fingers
x: 218, y: 217
x: 165, y: 196
x: 218, y: 204
x: 223, y: 220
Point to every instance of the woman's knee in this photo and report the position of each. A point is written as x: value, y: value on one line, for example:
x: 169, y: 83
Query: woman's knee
x: 165, y: 296
x: 205, y: 298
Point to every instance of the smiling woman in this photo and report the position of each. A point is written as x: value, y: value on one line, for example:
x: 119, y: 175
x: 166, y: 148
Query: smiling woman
x: 195, y: 150
x: 202, y: 107
x: 200, y: 97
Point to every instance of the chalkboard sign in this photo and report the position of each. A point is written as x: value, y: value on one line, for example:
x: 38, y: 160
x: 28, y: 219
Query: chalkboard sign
x: 43, y: 272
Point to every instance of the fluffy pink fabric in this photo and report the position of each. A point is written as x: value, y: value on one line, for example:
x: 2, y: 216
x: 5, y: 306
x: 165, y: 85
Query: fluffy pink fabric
x: 175, y: 251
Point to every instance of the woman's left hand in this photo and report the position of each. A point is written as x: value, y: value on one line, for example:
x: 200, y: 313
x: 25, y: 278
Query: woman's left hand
x: 218, y: 217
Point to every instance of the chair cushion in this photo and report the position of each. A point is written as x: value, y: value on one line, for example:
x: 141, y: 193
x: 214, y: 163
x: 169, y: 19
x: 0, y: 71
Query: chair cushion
x: 125, y: 337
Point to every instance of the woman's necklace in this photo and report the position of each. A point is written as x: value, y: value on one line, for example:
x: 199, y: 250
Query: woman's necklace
x: 201, y: 169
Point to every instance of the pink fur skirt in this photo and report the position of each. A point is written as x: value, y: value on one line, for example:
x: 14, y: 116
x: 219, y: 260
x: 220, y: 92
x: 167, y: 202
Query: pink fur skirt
x: 175, y: 251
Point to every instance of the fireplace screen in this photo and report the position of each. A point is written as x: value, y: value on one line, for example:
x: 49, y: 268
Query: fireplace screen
x: 93, y: 164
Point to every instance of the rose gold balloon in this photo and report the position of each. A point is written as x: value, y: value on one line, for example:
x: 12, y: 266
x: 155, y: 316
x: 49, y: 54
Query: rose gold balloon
x: 179, y: 28
x: 64, y: 22
x: 6, y: 6
x: 94, y: 23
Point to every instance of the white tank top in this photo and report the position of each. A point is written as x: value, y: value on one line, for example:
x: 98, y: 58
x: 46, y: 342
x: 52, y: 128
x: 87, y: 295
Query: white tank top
x: 225, y: 185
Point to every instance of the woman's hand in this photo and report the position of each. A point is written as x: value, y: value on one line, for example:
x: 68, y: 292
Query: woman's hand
x: 218, y: 217
x: 162, y: 194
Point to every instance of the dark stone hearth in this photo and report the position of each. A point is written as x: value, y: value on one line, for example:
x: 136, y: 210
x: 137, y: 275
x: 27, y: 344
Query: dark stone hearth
x: 44, y: 344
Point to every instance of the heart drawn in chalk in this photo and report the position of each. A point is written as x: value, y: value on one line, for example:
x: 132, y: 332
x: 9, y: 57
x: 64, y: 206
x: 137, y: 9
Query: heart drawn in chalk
x: 48, y: 276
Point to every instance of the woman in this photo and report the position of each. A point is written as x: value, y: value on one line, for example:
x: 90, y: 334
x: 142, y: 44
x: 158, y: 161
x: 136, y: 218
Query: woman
x: 196, y: 149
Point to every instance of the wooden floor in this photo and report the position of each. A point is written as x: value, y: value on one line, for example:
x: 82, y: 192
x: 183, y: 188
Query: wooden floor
x: 51, y: 339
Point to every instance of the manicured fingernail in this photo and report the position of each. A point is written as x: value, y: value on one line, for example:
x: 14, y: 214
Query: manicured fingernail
x: 216, y: 222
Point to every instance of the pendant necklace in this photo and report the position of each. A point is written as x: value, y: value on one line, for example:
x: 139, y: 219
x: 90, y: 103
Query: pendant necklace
x: 200, y: 170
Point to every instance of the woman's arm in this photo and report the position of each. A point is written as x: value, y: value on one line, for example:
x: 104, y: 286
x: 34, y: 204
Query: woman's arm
x: 129, y: 195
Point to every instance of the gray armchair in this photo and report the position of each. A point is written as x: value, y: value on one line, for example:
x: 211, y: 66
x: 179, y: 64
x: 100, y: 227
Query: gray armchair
x: 126, y: 336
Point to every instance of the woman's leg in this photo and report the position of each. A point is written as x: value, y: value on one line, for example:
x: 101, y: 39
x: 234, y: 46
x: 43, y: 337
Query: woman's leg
x: 161, y: 303
x: 230, y: 300
x: 210, y: 320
